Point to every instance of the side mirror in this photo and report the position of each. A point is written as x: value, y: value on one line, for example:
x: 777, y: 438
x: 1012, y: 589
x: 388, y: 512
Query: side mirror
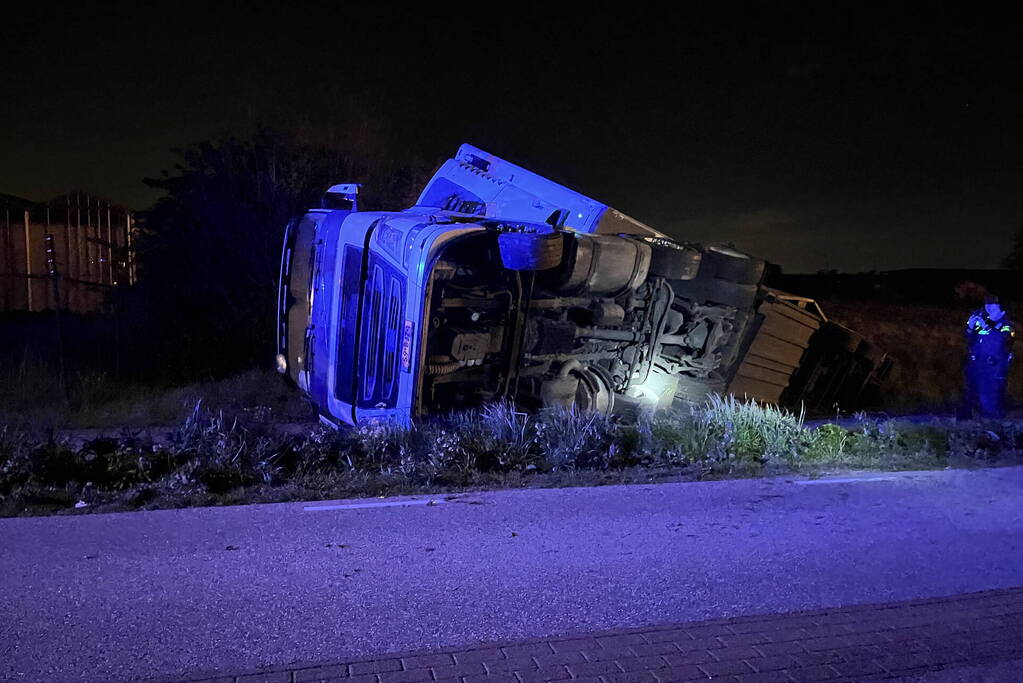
x: 344, y: 197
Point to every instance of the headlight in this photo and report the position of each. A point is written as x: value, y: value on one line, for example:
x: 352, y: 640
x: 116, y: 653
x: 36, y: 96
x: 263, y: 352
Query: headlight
x: 282, y: 363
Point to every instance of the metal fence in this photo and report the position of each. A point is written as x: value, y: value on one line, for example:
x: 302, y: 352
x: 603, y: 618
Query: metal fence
x: 66, y: 254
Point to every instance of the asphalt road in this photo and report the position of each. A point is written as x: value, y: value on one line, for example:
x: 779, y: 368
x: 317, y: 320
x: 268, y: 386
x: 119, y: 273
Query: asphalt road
x: 153, y: 594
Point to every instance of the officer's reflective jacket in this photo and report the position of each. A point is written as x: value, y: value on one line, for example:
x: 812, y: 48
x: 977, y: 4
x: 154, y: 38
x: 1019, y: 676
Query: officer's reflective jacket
x: 987, y: 338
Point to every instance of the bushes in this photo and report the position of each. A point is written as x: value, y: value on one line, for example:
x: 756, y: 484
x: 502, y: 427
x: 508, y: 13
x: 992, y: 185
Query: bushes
x: 827, y: 443
x: 214, y: 459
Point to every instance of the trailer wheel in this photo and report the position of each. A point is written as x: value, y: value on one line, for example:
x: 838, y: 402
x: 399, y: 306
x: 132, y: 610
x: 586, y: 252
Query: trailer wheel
x: 725, y: 263
x: 530, y: 249
x: 672, y: 260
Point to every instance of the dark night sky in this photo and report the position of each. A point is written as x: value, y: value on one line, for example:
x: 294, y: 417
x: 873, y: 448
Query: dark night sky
x: 851, y: 140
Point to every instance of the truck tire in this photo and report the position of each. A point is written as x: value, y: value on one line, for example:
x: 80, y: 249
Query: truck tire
x: 717, y: 291
x: 672, y: 260
x: 530, y: 249
x: 725, y: 263
x: 594, y: 393
x: 742, y: 322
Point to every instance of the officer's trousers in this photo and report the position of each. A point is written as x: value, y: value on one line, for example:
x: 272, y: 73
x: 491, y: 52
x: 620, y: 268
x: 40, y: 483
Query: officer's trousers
x: 986, y: 381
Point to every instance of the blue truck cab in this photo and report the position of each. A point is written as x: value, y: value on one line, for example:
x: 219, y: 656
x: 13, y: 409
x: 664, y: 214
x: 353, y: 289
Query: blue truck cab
x: 352, y: 305
x: 502, y: 284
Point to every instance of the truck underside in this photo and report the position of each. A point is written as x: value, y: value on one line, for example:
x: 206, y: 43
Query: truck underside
x: 619, y: 324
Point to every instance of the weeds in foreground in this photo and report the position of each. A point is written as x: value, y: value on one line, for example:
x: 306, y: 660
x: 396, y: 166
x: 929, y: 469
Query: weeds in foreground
x: 215, y: 458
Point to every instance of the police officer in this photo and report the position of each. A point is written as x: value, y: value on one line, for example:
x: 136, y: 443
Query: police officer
x: 989, y: 337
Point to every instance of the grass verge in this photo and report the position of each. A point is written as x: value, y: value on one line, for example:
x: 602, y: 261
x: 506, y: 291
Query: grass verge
x: 212, y: 459
x: 31, y: 397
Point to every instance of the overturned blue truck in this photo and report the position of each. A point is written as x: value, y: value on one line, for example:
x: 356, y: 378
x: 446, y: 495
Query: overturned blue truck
x: 501, y: 284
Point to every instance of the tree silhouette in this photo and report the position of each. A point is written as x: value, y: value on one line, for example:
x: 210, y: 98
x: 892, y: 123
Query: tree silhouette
x: 209, y: 250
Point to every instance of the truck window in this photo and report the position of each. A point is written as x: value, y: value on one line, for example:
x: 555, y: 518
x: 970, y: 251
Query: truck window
x: 444, y: 194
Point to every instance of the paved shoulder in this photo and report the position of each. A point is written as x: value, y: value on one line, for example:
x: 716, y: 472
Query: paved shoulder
x: 967, y: 637
x: 134, y: 595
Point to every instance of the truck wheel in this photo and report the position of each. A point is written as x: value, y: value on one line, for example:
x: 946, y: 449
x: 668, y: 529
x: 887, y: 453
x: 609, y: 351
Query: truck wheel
x: 735, y: 295
x: 725, y: 263
x: 595, y: 393
x: 530, y: 249
x: 717, y: 291
x: 742, y: 323
x: 671, y: 260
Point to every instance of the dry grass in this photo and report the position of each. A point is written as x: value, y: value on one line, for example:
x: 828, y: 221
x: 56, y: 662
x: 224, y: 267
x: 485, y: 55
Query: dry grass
x: 927, y: 345
x: 213, y: 459
x: 31, y: 396
x: 224, y: 446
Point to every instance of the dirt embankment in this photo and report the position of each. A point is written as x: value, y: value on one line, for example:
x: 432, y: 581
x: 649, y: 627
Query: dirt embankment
x: 927, y: 345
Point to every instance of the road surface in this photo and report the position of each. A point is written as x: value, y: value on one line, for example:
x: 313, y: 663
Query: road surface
x: 156, y: 594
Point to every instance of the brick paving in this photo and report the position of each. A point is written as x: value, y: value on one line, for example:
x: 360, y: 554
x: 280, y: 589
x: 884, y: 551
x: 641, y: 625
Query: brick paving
x: 867, y: 642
